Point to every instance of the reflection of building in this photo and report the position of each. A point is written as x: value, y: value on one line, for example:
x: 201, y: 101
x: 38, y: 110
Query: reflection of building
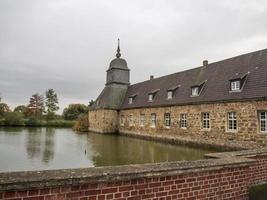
x: 220, y: 102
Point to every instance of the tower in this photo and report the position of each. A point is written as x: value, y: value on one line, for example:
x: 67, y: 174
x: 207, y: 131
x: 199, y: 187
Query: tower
x: 103, y: 115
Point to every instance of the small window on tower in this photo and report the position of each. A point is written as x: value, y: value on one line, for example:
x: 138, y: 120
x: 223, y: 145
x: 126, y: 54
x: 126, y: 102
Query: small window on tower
x: 130, y: 100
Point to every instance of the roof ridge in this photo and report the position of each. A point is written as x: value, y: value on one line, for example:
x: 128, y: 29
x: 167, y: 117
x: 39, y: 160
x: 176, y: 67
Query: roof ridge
x: 195, y: 68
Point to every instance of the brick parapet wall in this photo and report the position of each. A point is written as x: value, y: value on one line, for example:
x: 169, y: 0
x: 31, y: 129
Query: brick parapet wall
x: 225, y: 176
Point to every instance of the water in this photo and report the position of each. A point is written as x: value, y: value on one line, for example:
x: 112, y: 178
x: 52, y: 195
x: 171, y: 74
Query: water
x: 24, y: 149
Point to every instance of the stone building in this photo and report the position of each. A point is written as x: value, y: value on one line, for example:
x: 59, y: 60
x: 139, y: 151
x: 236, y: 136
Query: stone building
x: 221, y: 103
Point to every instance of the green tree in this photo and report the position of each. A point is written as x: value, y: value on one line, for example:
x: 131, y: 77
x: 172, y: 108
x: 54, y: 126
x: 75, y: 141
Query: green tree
x: 73, y: 111
x: 21, y: 109
x: 4, y: 108
x: 91, y: 103
x: 51, y: 103
x: 14, y: 119
x: 36, y: 106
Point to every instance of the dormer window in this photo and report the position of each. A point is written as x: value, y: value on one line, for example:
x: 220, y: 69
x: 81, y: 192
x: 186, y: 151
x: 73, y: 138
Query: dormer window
x: 197, y: 88
x: 235, y: 85
x: 152, y: 94
x: 131, y: 98
x: 171, y: 91
x: 194, y: 91
x: 150, y: 97
x: 237, y: 82
x: 169, y: 94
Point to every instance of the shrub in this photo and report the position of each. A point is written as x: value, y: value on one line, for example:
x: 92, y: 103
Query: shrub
x: 14, y: 119
x: 258, y: 192
x: 73, y: 111
x: 60, y: 123
x: 33, y: 122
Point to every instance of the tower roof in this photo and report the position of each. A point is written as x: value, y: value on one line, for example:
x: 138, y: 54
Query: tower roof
x: 118, y: 62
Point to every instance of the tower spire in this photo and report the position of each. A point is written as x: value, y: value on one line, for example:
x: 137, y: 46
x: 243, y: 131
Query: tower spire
x: 118, y: 55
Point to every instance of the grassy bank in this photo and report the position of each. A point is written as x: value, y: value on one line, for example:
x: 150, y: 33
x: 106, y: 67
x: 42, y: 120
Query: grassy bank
x: 39, y: 123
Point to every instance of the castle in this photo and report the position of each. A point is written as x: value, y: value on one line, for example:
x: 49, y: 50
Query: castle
x: 220, y: 103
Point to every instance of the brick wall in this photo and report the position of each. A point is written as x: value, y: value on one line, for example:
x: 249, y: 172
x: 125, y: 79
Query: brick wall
x: 247, y: 134
x: 218, y: 179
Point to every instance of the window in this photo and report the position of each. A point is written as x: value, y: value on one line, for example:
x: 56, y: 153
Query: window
x: 169, y: 94
x: 153, y: 120
x: 183, y: 121
x: 122, y: 120
x: 142, y: 120
x: 167, y: 120
x: 235, y: 85
x: 263, y: 121
x: 205, y: 120
x: 194, y: 91
x: 131, y: 120
x: 130, y: 100
x: 232, y: 122
x: 150, y: 97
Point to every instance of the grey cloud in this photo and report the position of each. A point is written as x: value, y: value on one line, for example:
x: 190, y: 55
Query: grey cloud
x: 68, y: 44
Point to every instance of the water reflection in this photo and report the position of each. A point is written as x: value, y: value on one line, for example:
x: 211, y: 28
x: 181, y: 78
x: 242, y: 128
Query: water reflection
x: 48, y: 153
x: 50, y: 148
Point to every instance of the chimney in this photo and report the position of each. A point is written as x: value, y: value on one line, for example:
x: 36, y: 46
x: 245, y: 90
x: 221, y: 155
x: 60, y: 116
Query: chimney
x: 151, y: 77
x: 205, y: 63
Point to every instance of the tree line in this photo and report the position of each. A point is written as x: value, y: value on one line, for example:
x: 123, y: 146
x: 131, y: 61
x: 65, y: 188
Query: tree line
x: 41, y: 110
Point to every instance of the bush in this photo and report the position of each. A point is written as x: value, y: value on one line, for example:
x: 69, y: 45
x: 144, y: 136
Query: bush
x: 2, y: 122
x: 81, y: 124
x: 14, y: 119
x: 73, y: 111
x: 258, y: 192
x: 60, y: 123
x: 33, y: 122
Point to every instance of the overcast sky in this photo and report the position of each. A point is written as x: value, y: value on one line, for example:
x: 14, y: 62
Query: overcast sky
x: 67, y: 44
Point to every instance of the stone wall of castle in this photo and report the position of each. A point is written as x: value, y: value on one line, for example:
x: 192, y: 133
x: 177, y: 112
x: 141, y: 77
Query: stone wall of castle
x: 247, y: 135
x: 103, y: 120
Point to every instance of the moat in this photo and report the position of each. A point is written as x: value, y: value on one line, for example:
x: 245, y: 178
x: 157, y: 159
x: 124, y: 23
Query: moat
x: 24, y: 149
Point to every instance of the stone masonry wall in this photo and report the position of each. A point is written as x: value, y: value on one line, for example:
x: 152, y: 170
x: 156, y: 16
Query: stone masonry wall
x: 229, y: 176
x: 103, y: 120
x: 246, y: 136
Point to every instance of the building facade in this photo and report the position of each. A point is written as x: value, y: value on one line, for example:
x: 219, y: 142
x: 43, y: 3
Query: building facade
x: 222, y: 103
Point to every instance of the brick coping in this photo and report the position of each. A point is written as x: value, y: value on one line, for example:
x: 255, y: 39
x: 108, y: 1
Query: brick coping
x: 52, y: 178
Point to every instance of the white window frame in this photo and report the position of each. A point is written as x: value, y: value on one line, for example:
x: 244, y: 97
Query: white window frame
x: 232, y: 122
x: 206, y: 120
x: 131, y: 122
x: 263, y: 121
x: 150, y: 97
x: 169, y: 94
x: 167, y: 120
x: 235, y: 85
x: 153, y: 120
x: 195, y: 91
x: 130, y: 100
x: 142, y: 120
x: 183, y: 121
